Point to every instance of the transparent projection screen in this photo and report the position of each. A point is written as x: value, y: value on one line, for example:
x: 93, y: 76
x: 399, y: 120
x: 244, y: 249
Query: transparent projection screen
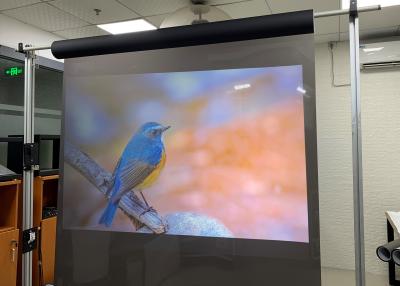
x: 214, y: 144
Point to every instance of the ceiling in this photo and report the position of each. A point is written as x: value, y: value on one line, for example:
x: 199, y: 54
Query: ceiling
x: 77, y: 18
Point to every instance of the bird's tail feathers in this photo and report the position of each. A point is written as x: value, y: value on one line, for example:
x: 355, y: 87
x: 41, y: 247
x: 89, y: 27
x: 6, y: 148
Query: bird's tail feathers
x: 109, y: 213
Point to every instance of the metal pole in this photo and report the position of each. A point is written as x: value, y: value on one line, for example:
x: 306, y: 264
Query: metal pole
x: 316, y: 15
x: 36, y: 48
x: 356, y: 145
x: 345, y: 11
x: 27, y: 220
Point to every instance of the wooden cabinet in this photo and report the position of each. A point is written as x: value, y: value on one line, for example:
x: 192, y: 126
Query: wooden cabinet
x: 48, y: 248
x: 9, y: 232
x: 8, y: 257
x: 44, y: 196
x: 45, y: 190
x: 9, y: 204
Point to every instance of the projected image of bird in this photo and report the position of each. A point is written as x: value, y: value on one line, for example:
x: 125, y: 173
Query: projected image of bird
x: 138, y: 168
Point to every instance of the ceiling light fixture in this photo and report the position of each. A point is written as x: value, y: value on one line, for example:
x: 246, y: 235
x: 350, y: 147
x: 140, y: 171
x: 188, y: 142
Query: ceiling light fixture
x: 127, y: 26
x: 369, y: 50
x: 364, y: 3
x: 242, y: 86
x: 301, y: 90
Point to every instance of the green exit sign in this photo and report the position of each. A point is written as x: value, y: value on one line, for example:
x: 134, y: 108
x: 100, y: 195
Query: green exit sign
x: 13, y: 71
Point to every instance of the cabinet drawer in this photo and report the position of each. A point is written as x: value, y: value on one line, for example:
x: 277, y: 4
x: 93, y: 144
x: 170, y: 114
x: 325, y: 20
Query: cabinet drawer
x: 8, y: 257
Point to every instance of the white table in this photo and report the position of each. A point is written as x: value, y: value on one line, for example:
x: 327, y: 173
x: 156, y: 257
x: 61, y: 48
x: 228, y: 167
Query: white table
x: 393, y: 227
x: 394, y: 220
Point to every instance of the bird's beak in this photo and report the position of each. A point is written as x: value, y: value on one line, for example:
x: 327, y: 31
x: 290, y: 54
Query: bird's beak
x: 165, y: 128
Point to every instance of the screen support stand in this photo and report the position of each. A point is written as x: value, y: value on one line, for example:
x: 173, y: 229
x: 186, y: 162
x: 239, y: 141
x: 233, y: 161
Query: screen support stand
x: 356, y: 145
x: 29, y: 115
x: 356, y: 138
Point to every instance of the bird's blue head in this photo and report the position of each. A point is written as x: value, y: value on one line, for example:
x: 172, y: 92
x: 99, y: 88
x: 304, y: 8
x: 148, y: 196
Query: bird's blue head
x: 152, y: 130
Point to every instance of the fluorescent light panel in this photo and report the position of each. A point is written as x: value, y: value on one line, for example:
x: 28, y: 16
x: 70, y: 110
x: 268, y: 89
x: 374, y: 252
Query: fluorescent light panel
x: 301, y: 90
x: 364, y: 3
x: 127, y: 26
x: 368, y: 50
x: 242, y: 86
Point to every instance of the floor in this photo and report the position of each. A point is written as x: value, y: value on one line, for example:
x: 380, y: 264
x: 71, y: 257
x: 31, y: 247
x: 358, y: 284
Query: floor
x: 339, y: 277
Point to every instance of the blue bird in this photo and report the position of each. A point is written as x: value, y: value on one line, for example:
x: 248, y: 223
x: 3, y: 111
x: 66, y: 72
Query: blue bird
x: 138, y: 168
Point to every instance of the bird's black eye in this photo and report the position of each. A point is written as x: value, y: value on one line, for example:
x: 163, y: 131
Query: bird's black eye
x: 153, y: 132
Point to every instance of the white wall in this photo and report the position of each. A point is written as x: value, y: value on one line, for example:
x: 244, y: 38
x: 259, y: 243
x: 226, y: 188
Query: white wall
x: 380, y: 91
x: 381, y: 151
x: 334, y: 166
x: 13, y: 32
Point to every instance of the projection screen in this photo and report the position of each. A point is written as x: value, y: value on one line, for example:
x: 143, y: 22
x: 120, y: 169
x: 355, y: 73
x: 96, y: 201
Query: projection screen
x: 191, y: 165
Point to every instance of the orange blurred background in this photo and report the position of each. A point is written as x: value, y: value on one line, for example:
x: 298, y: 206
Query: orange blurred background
x: 249, y: 174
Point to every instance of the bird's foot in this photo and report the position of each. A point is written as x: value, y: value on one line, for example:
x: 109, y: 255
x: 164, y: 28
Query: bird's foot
x: 149, y: 209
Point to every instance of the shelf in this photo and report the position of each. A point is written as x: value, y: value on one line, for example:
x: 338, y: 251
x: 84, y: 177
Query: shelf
x: 45, y: 194
x: 7, y: 178
x: 49, y: 153
x: 9, y: 192
x: 51, y: 177
x: 9, y: 183
x: 6, y: 228
x: 12, y: 139
x: 47, y: 172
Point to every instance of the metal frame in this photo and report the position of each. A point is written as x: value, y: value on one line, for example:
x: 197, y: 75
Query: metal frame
x: 41, y: 62
x: 354, y: 40
x: 29, y: 116
x: 356, y: 139
x: 345, y: 11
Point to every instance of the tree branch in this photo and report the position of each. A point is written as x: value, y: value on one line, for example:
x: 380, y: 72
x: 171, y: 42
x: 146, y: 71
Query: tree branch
x: 101, y: 179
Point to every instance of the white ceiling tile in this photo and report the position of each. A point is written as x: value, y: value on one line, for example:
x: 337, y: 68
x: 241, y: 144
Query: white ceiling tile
x: 327, y: 25
x: 334, y: 37
x: 111, y: 11
x: 45, y: 17
x: 387, y: 17
x: 223, y: 2
x: 156, y: 20
x: 154, y: 7
x: 246, y: 9
x: 88, y: 31
x: 10, y: 4
x: 280, y: 6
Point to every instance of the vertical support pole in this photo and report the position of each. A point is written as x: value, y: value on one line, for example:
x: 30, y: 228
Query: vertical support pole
x: 356, y: 146
x: 29, y: 105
